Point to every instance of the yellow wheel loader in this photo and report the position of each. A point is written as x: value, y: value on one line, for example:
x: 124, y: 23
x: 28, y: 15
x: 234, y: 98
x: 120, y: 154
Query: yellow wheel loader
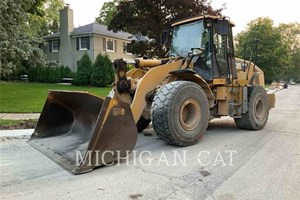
x: 199, y: 81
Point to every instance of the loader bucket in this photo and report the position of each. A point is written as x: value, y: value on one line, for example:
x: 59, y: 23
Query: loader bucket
x: 80, y: 131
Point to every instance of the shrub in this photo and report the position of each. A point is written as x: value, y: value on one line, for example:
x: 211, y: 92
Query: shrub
x: 54, y: 75
x: 66, y: 72
x: 49, y: 74
x: 130, y: 67
x: 84, y: 71
x: 103, y: 74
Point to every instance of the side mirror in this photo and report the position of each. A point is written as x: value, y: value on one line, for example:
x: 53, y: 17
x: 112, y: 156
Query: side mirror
x: 164, y: 37
x: 223, y: 27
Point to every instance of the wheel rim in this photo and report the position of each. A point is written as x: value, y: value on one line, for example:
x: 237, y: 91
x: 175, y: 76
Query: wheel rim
x: 259, y: 109
x: 189, y: 114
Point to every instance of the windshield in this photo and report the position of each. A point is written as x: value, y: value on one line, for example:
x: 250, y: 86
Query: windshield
x: 187, y: 36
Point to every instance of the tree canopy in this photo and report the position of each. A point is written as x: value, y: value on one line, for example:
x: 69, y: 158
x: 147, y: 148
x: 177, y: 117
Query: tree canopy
x: 291, y: 36
x: 48, y: 22
x: 274, y: 52
x: 107, y: 12
x: 151, y: 17
x: 19, y: 33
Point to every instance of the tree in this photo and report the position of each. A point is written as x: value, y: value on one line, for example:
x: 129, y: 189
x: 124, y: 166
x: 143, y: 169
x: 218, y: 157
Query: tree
x: 18, y: 49
x: 107, y: 12
x: 103, y: 74
x: 294, y: 72
x: 151, y: 17
x: 47, y: 23
x: 273, y: 52
x: 291, y: 36
x: 84, y: 71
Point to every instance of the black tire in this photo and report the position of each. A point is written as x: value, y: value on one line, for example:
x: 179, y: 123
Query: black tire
x: 142, y: 124
x: 180, y: 113
x: 258, y: 110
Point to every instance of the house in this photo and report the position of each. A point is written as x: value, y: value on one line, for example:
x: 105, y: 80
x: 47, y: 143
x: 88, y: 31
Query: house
x: 67, y: 46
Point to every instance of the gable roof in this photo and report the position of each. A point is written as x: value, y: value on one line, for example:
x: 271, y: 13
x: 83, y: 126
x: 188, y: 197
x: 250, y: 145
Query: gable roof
x: 94, y: 28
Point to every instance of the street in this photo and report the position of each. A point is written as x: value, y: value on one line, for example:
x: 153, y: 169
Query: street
x: 226, y: 164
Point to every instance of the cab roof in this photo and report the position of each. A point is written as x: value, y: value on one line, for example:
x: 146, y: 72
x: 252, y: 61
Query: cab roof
x: 198, y: 18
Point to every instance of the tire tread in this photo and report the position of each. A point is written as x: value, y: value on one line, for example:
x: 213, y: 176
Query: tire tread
x: 160, y: 107
x: 247, y: 121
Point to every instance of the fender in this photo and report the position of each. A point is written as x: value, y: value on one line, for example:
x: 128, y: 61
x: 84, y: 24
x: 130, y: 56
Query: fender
x: 190, y: 75
x: 254, y: 78
x: 149, y: 82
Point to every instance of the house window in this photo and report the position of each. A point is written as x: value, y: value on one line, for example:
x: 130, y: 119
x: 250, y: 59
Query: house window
x: 83, y: 43
x: 125, y: 47
x: 54, y: 46
x: 110, y: 45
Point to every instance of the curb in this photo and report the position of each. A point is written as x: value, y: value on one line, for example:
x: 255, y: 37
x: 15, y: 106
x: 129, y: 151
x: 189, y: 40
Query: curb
x: 274, y: 91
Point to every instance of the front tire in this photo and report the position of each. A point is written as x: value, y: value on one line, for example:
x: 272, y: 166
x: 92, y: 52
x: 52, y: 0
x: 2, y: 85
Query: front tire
x: 258, y: 110
x: 180, y: 113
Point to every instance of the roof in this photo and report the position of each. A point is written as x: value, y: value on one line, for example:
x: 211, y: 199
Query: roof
x: 198, y: 18
x: 94, y: 28
x: 54, y: 35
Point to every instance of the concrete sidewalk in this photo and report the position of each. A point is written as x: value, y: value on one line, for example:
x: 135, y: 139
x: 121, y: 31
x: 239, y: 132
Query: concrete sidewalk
x: 16, y: 133
x: 19, y: 116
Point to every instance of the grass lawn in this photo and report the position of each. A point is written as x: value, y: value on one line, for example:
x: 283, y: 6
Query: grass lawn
x: 6, y: 124
x: 267, y: 86
x: 22, y: 97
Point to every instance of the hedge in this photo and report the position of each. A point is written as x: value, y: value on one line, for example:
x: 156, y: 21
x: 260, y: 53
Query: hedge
x: 49, y: 74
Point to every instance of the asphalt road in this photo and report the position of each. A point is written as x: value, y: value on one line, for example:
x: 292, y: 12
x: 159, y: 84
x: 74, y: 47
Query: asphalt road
x: 262, y: 165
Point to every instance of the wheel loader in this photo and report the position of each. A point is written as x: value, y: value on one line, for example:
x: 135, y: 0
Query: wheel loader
x: 200, y: 80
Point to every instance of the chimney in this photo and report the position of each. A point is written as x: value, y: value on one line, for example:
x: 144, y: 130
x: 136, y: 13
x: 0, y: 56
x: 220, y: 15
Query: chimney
x: 66, y: 51
x: 66, y: 20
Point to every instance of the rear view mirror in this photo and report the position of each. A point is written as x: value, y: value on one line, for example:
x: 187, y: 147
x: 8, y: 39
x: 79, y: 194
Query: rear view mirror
x: 223, y: 27
x: 164, y: 37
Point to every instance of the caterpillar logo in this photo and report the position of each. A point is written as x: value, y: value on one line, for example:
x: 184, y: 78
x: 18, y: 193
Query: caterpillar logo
x: 118, y: 111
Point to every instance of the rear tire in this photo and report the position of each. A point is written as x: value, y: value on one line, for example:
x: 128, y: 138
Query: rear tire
x: 258, y: 110
x: 180, y: 113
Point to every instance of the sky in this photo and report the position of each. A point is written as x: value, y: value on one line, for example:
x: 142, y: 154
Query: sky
x: 241, y: 12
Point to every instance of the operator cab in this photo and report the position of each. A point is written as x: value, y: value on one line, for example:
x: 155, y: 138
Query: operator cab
x: 211, y: 42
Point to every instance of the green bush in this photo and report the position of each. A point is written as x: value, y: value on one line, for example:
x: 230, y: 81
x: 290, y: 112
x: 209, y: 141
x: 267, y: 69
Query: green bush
x: 49, y: 74
x: 130, y: 67
x: 66, y: 72
x: 54, y: 75
x: 84, y: 71
x: 32, y: 74
x: 103, y: 74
